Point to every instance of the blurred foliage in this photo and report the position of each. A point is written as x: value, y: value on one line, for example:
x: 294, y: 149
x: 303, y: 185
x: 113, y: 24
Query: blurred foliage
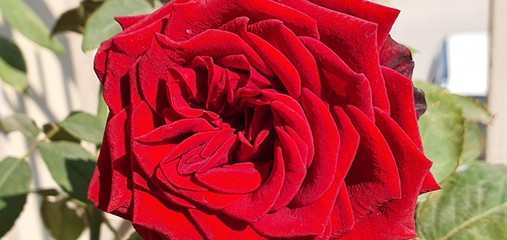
x: 471, y: 205
x: 66, y: 212
x: 23, y: 18
x: 473, y: 201
x: 12, y: 65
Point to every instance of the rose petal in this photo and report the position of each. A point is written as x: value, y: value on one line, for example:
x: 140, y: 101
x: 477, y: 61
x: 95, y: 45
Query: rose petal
x: 155, y: 18
x: 205, y: 44
x: 282, y: 38
x: 373, y: 177
x: 127, y: 21
x: 146, y: 120
x: 413, y: 166
x: 420, y: 102
x: 175, y: 129
x: 148, y: 156
x: 397, y: 57
x: 206, y: 199
x: 144, y: 28
x: 200, y: 16
x: 278, y: 62
x: 196, y: 140
x: 116, y: 82
x: 225, y: 179
x: 429, y: 184
x: 342, y: 217
x: 222, y: 227
x: 380, y: 227
x: 216, y: 83
x: 383, y: 16
x: 147, y: 233
x: 99, y: 191
x: 354, y: 40
x: 401, y: 96
x: 121, y: 183
x: 111, y: 186
x: 168, y: 174
x: 321, y: 173
x: 295, y: 170
x: 222, y: 155
x: 309, y: 220
x: 255, y: 205
x: 288, y: 113
x: 178, y: 99
x: 340, y: 85
x: 151, y: 213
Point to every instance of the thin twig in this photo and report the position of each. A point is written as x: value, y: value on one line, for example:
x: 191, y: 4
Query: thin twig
x: 54, y: 130
x: 111, y: 227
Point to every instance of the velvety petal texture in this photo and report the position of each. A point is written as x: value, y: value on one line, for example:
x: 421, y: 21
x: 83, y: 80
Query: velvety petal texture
x: 268, y: 119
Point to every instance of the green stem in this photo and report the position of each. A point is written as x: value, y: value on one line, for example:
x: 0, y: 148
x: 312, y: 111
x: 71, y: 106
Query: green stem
x: 54, y: 130
x: 94, y: 217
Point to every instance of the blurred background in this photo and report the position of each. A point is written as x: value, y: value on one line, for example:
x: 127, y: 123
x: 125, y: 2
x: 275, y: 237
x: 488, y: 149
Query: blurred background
x: 451, y: 42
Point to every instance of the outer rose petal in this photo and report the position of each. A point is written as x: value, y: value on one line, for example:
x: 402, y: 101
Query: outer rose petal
x: 401, y: 96
x: 372, y: 12
x: 355, y: 42
x: 110, y: 186
x: 395, y: 220
x: 397, y: 57
x: 116, y: 55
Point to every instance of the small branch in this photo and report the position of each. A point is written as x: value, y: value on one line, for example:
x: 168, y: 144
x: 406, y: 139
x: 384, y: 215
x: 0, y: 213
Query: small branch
x: 94, y: 217
x: 54, y: 130
x: 111, y: 227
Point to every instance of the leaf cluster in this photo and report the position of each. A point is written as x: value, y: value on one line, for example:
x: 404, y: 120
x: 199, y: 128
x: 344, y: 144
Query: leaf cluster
x: 473, y: 201
x: 63, y: 210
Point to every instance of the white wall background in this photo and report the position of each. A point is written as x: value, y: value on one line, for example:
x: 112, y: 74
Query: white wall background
x: 424, y: 24
x: 61, y: 84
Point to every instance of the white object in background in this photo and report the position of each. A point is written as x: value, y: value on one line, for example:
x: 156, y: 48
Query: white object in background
x: 468, y: 64
x: 462, y: 64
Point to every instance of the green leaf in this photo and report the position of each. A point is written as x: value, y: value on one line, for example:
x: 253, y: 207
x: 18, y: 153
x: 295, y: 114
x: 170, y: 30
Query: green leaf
x: 63, y: 219
x: 442, y: 130
x: 471, y: 205
x: 46, y: 192
x: 473, y: 109
x: 70, y: 165
x: 15, y: 177
x: 19, y: 122
x: 12, y: 66
x: 102, y: 109
x: 101, y: 25
x: 56, y: 133
x: 84, y: 126
x: 22, y: 17
x: 74, y: 20
x: 473, y: 144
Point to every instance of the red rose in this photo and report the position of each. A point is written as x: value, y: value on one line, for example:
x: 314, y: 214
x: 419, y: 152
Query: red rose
x: 259, y: 120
